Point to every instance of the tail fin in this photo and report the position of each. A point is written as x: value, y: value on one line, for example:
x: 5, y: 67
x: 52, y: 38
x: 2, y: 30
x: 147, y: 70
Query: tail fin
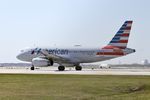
x: 120, y: 40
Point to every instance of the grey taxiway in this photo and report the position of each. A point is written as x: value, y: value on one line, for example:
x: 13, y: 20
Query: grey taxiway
x: 53, y: 70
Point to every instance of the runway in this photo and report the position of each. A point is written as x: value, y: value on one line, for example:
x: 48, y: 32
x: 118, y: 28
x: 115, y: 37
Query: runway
x: 53, y: 70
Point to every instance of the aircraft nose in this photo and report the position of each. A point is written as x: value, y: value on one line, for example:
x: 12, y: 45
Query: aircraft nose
x: 19, y: 56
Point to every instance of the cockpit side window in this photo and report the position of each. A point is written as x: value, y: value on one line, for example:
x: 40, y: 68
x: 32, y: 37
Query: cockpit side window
x: 22, y: 50
x: 25, y: 50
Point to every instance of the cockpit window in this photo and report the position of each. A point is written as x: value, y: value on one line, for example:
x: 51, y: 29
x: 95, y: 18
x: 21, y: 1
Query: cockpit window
x: 22, y: 50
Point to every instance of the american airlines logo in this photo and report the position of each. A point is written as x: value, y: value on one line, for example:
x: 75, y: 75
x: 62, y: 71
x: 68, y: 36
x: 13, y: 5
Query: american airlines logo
x: 58, y: 51
x: 51, y: 51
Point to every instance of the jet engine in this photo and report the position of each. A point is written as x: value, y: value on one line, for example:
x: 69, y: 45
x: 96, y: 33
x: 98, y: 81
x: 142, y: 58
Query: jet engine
x: 42, y: 62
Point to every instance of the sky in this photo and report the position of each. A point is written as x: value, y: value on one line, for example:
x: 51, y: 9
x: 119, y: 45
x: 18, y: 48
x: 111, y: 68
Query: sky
x: 28, y: 23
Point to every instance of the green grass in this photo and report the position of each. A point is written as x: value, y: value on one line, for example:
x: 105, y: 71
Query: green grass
x: 74, y: 87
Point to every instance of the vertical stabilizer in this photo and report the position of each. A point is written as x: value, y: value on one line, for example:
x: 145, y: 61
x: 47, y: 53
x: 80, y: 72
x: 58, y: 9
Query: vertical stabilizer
x: 120, y: 39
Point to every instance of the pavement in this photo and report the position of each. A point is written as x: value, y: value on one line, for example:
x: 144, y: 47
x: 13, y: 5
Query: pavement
x: 53, y: 70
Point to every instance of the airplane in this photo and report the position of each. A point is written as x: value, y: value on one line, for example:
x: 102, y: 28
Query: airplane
x: 73, y: 57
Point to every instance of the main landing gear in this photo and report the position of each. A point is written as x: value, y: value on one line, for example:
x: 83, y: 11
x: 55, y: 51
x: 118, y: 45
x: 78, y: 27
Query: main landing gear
x: 32, y: 68
x: 61, y: 68
x: 78, y: 68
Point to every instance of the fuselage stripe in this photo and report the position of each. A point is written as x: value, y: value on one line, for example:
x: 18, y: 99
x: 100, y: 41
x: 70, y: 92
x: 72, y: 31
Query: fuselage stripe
x: 110, y: 53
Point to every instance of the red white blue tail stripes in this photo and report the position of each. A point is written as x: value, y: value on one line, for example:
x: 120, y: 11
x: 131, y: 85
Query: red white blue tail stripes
x: 120, y: 40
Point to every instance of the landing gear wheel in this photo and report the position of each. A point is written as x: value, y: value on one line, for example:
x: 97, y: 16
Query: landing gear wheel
x: 61, y: 68
x: 32, y: 68
x: 78, y: 68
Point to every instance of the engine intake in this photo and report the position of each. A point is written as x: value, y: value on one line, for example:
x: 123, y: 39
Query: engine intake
x: 42, y: 62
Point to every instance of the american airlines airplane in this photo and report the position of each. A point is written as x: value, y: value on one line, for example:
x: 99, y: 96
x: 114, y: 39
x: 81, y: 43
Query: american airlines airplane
x: 69, y: 57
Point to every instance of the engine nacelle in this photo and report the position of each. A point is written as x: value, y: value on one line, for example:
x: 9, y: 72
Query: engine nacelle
x: 42, y: 62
